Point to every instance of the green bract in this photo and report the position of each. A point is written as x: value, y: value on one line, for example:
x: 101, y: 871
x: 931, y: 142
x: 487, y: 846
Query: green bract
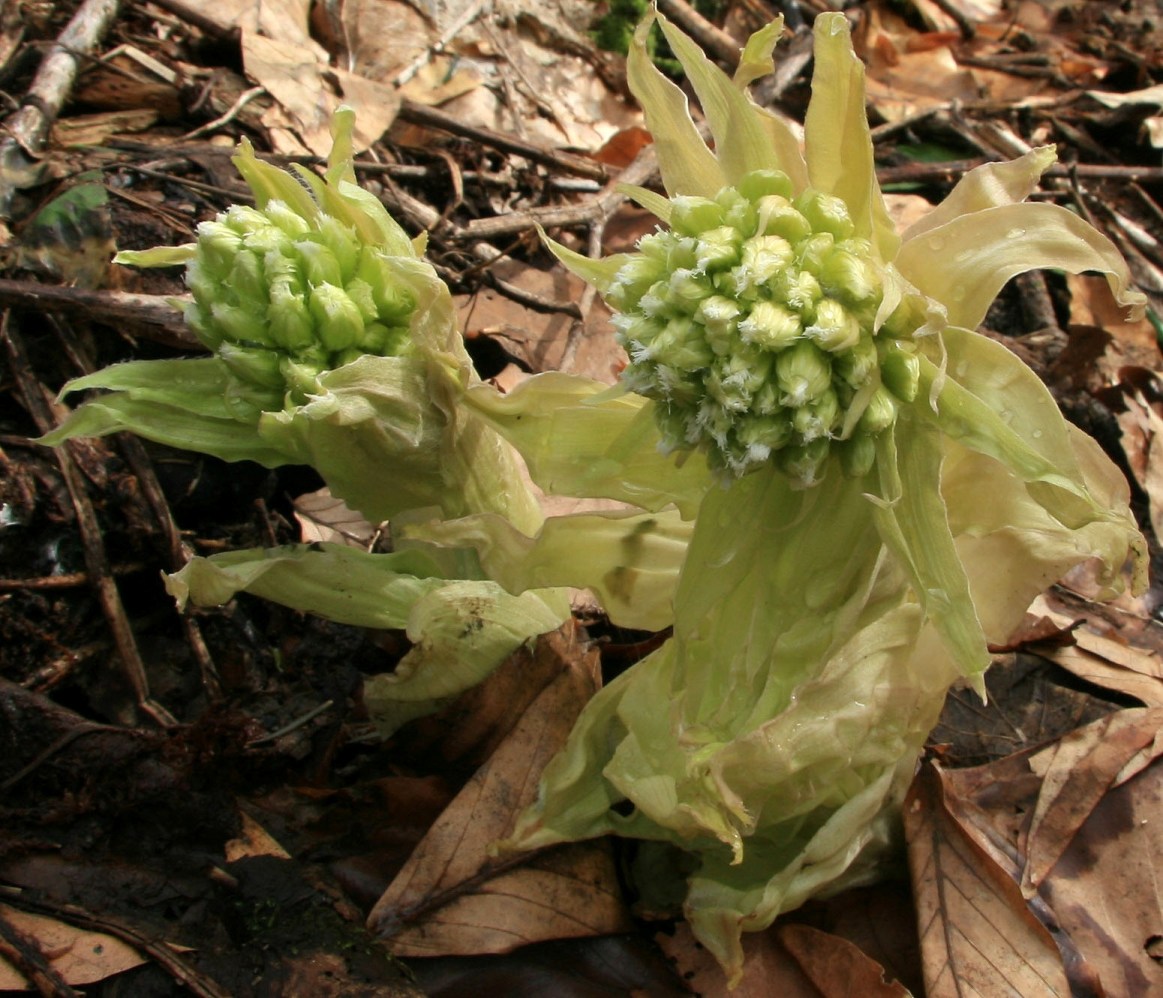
x: 877, y: 492
x: 752, y: 322
x: 335, y: 345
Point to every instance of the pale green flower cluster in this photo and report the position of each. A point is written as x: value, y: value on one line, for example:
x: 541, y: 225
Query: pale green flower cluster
x: 282, y: 297
x: 752, y: 321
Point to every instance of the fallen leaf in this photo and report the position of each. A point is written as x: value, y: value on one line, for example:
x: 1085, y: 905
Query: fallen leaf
x: 835, y: 966
x: 768, y: 968
x: 1077, y: 772
x: 789, y: 959
x: 1120, y: 662
x: 1103, y: 892
x: 453, y: 897
x: 537, y: 338
x: 975, y: 927
x: 323, y: 517
x: 78, y: 955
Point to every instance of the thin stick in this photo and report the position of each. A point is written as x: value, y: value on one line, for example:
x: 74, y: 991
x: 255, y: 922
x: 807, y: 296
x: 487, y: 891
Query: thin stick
x: 96, y: 561
x: 29, y: 127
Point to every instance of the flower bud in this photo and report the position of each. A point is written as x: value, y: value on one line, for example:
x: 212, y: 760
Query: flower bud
x: 246, y: 278
x: 288, y: 221
x: 319, y: 263
x: 243, y: 219
x: 693, y: 215
x: 300, y: 376
x: 239, y: 324
x: 217, y: 245
x: 718, y: 314
x: 804, y: 465
x: 199, y: 320
x: 880, y: 413
x: 778, y: 217
x: 717, y: 249
x: 825, y: 213
x: 818, y: 418
x: 857, y: 364
x: 834, y: 328
x: 857, y: 455
x: 681, y: 345
x: 252, y: 364
x: 813, y: 251
x: 338, y: 321
x: 900, y: 371
x: 848, y: 275
x: 762, y: 436
x: 798, y: 288
x: 803, y: 372
x: 771, y: 326
x: 632, y: 281
x: 738, y: 211
x: 342, y: 242
x: 394, y: 303
x: 765, y: 183
x: 765, y: 256
x: 289, y: 320
x: 360, y: 292
x: 686, y: 289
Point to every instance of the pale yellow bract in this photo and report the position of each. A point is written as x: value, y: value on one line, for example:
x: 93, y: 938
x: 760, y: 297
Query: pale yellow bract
x: 823, y: 609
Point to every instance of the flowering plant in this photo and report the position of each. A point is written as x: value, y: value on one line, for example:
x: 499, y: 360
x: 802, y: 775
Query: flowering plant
x: 877, y: 491
x: 334, y: 344
x: 835, y: 490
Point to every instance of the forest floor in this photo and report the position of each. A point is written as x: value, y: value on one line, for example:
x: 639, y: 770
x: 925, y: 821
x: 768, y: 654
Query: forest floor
x: 197, y: 803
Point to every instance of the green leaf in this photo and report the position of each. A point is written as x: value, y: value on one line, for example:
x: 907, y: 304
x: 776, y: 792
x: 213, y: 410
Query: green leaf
x: 579, y: 438
x: 460, y: 629
x: 629, y: 559
x: 964, y: 263
x: 742, y: 143
x: 599, y: 273
x: 657, y: 204
x: 686, y: 164
x: 988, y: 186
x: 837, y: 138
x: 913, y: 522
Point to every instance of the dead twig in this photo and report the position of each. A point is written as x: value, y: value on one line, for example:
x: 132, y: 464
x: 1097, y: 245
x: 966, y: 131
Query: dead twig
x: 420, y: 114
x: 50, y: 88
x: 713, y: 40
x: 158, y: 950
x: 24, y: 953
x: 36, y: 400
x: 116, y: 308
x: 28, y: 127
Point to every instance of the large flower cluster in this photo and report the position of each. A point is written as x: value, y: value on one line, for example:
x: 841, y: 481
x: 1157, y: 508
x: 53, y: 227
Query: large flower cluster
x: 282, y: 296
x: 752, y: 321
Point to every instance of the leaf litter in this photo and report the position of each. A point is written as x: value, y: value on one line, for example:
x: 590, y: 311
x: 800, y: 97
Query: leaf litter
x: 1033, y: 870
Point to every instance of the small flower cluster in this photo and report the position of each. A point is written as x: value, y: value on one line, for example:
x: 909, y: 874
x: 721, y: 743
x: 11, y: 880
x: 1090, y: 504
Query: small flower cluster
x: 751, y: 323
x: 281, y: 297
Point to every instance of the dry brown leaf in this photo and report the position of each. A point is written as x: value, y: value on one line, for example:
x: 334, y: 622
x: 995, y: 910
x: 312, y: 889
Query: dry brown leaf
x: 1077, y: 771
x: 1105, y: 888
x: 1123, y: 665
x: 835, y: 966
x: 253, y: 840
x: 78, y: 955
x: 1103, y: 893
x: 322, y: 517
x: 1092, y: 304
x: 538, y: 339
x: 768, y: 968
x: 976, y: 930
x: 452, y: 897
x: 789, y: 959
